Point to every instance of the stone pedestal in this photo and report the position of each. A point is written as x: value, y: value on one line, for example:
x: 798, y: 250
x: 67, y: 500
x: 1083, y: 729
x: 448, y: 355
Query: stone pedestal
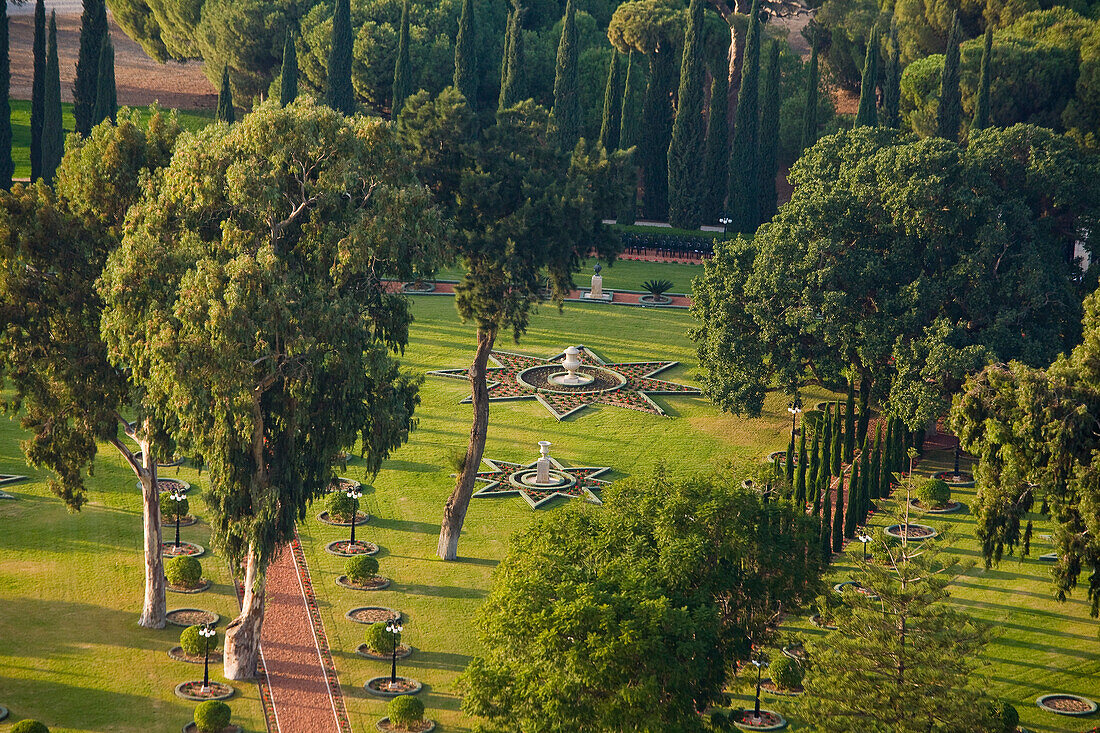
x: 542, y: 466
x: 597, y: 287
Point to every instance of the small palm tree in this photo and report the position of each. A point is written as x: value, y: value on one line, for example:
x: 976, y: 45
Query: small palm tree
x: 657, y: 288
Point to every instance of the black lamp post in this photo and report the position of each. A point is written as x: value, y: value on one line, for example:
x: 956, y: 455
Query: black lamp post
x: 958, y: 449
x: 794, y: 408
x: 725, y: 222
x: 179, y: 498
x: 864, y: 538
x: 207, y: 632
x: 354, y: 493
x: 759, y: 670
x: 394, y: 627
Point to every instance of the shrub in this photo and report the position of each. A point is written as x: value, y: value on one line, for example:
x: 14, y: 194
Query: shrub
x: 934, y: 493
x: 405, y: 710
x: 657, y: 287
x: 29, y: 726
x: 212, y: 716
x: 168, y: 505
x: 341, y: 506
x: 361, y: 568
x: 811, y: 421
x: 378, y: 639
x: 1007, y: 716
x: 185, y: 572
x: 786, y: 673
x: 194, y: 644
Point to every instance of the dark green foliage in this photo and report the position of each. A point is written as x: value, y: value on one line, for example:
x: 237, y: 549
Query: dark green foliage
x: 826, y: 530
x: 656, y: 132
x: 877, y: 487
x: 864, y: 410
x: 769, y: 134
x: 361, y: 568
x: 195, y: 644
x: 226, y: 111
x: 565, y: 116
x: 466, y: 71
x: 657, y: 287
x: 169, y: 507
x: 933, y: 493
x: 339, y: 93
x: 106, y: 100
x: 612, y: 106
x: 1007, y: 716
x: 377, y: 639
x: 716, y: 164
x: 212, y: 716
x: 685, y: 151
x: 29, y: 726
x: 981, y: 106
x: 288, y: 79
x: 788, y: 463
x: 813, y: 83
x: 405, y: 710
x: 815, y: 466
x: 850, y: 422
x: 837, y: 447
x: 838, y: 514
x: 183, y: 571
x: 800, y: 477
x: 513, y: 81
x: 891, y: 84
x: 7, y: 166
x: 402, y: 71
x: 38, y: 89
x: 827, y: 441
x: 341, y: 507
x: 855, y: 498
x: 744, y: 192
x: 867, y: 114
x: 53, y: 134
x: 949, y: 112
x: 785, y: 672
x: 93, y: 29
x: 633, y: 89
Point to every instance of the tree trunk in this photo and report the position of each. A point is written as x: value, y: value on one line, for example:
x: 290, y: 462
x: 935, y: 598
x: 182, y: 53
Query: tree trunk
x: 242, y: 635
x: 154, y: 608
x: 736, y: 57
x: 454, y: 513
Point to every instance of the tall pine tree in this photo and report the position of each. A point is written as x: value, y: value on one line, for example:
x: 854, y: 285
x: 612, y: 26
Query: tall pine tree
x: 981, y: 107
x: 769, y: 135
x: 867, y: 115
x: 288, y: 82
x: 38, y: 88
x: 891, y: 85
x: 809, y: 114
x: 93, y: 29
x: 716, y: 163
x: 565, y: 116
x: 949, y: 113
x: 609, y: 124
x: 513, y: 85
x: 339, y: 93
x: 402, y: 70
x: 7, y: 165
x: 465, y: 77
x: 685, y: 152
x: 225, y: 112
x: 53, y: 134
x: 628, y: 136
x: 744, y: 195
x: 106, y: 98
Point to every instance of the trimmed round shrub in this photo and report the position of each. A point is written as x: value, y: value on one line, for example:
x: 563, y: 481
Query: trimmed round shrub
x: 405, y: 710
x: 934, y: 493
x: 361, y: 568
x: 212, y: 716
x: 340, y: 506
x: 29, y: 726
x: 1007, y: 716
x: 378, y: 639
x: 786, y: 673
x: 168, y: 505
x: 183, y: 571
x: 194, y: 644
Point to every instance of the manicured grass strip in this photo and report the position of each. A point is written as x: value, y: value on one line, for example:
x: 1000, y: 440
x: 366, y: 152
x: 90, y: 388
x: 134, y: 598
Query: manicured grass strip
x: 622, y: 275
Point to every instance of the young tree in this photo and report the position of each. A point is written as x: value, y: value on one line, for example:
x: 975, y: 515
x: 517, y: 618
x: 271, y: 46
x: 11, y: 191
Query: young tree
x: 53, y: 134
x: 466, y: 73
x: 226, y: 112
x: 891, y: 85
x: 93, y: 29
x: 744, y: 193
x: 106, y: 99
x: 288, y: 79
x: 612, y: 96
x: 38, y: 88
x: 949, y: 112
x: 264, y: 331
x: 685, y: 152
x: 7, y: 165
x: 339, y: 93
x: 513, y: 82
x: 809, y: 119
x: 867, y: 114
x: 565, y: 116
x: 402, y: 70
x: 716, y: 164
x: 981, y: 107
x: 769, y: 135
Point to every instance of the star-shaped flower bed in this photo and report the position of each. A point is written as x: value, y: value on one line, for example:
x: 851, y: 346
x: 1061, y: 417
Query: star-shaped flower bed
x: 506, y: 479
x: 521, y: 377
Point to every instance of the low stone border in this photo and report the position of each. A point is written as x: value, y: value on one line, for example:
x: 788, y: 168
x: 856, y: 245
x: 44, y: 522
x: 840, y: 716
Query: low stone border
x: 350, y: 615
x: 421, y: 287
x: 951, y: 506
x: 769, y: 720
x: 4, y: 712
x: 1049, y: 557
x: 170, y: 522
x: 817, y: 621
x: 170, y: 484
x: 384, y: 725
x: 894, y: 532
x: 797, y: 652
x: 214, y: 620
x: 769, y: 687
x: 403, y: 651
x: 185, y: 549
x: 967, y: 479
x: 344, y: 483
x: 839, y: 588
x: 177, y: 461
x: 381, y: 683
x: 190, y: 691
x: 192, y: 728
x: 204, y: 586
x: 176, y: 653
x: 1087, y: 706
x: 331, y: 548
x: 650, y: 299
x: 343, y: 582
x: 324, y: 517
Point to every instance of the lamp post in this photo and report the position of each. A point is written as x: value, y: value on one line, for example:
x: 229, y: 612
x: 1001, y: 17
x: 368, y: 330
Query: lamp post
x: 958, y: 449
x: 794, y: 408
x: 864, y: 538
x: 760, y: 665
x: 394, y: 627
x: 207, y: 632
x: 725, y: 222
x: 354, y: 493
x: 179, y: 498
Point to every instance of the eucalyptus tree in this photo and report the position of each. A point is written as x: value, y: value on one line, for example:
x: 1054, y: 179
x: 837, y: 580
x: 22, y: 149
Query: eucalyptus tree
x: 247, y: 297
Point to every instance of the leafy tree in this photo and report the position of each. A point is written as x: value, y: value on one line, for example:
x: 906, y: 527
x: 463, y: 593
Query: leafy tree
x: 744, y: 193
x: 288, y: 78
x: 53, y: 134
x: 225, y: 112
x: 813, y: 82
x: 981, y: 107
x: 38, y: 88
x: 716, y: 162
x: 402, y: 74
x: 513, y: 86
x: 466, y: 72
x: 338, y: 90
x: 106, y: 100
x: 93, y: 29
x: 949, y: 112
x: 769, y: 135
x: 263, y: 332
x: 565, y: 115
x: 7, y: 165
x: 867, y: 114
x: 612, y: 109
x: 685, y: 152
x: 891, y: 83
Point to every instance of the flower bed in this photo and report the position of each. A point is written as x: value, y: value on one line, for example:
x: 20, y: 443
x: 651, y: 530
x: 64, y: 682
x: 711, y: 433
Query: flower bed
x: 914, y: 532
x: 962, y: 479
x: 344, y: 548
x: 951, y: 506
x: 371, y: 614
x: 179, y: 655
x: 424, y: 726
x: 204, y: 585
x: 381, y: 687
x: 1064, y: 703
x: 343, y: 484
x: 403, y: 650
x: 192, y: 728
x: 360, y: 518
x: 170, y: 522
x: 190, y: 549
x: 768, y: 720
x: 191, y: 617
x: 170, y: 485
x: 193, y: 691
x: 771, y: 687
x: 376, y: 583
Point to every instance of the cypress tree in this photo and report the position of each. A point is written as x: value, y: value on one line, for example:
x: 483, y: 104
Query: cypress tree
x: 827, y: 443
x: 877, y: 490
x: 402, y: 70
x: 809, y: 114
x: 866, y: 486
x: 836, y: 453
x: 981, y: 107
x: 826, y: 531
x: 867, y: 115
x: 93, y: 29
x: 815, y: 464
x: 851, y: 510
x: 513, y: 86
x: 769, y: 136
x: 949, y: 114
x: 53, y: 134
x: 685, y: 152
x: 628, y: 137
x: 656, y: 132
x: 38, y: 88
x: 800, y: 471
x: 744, y: 195
x: 891, y: 85
x: 288, y: 87
x: 106, y: 98
x: 864, y: 410
x: 609, y: 125
x: 339, y: 93
x: 838, y: 515
x: 7, y: 165
x: 850, y: 422
x: 565, y: 115
x: 716, y: 163
x: 225, y: 112
x: 789, y: 462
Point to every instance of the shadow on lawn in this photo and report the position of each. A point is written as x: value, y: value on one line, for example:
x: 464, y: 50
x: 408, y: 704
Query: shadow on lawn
x: 34, y: 698
x: 413, y: 466
x: 404, y: 525
x: 441, y: 591
x: 439, y: 660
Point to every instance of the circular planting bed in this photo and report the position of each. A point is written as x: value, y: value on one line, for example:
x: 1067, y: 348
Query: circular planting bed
x: 914, y: 532
x: 170, y: 522
x: 171, y: 484
x: 193, y: 691
x: 371, y: 614
x: 1049, y: 557
x: 420, y: 287
x: 780, y: 456
x: 1064, y: 703
x: 192, y: 728
x: 951, y: 506
x: 962, y: 479
x: 821, y: 623
x: 176, y: 461
x: 423, y: 727
x: 344, y: 548
x: 403, y: 650
x: 840, y: 588
x: 203, y: 586
x: 654, y: 299
x: 360, y: 518
x: 3, y: 712
x: 797, y: 652
x: 596, y: 379
x: 190, y: 549
x: 381, y: 686
x: 378, y: 583
x: 768, y: 720
x: 178, y: 654
x: 770, y: 686
x: 343, y: 484
x: 191, y: 617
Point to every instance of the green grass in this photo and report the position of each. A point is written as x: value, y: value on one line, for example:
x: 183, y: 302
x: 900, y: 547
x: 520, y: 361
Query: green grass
x: 21, y: 129
x: 622, y: 275
x: 643, y: 229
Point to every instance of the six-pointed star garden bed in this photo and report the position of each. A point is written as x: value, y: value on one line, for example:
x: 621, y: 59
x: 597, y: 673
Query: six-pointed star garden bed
x: 520, y: 377
x: 517, y: 478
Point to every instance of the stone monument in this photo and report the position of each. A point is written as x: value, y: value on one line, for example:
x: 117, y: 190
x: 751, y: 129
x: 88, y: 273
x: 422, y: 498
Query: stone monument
x: 596, y: 291
x: 542, y: 466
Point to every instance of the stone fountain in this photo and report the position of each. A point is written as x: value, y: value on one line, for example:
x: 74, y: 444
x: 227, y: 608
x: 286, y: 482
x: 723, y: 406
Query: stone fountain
x: 572, y: 377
